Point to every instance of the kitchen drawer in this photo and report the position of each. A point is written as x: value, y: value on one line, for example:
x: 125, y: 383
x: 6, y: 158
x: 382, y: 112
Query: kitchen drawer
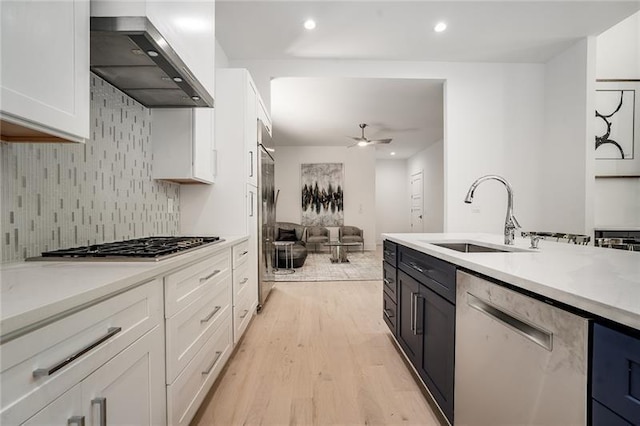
x: 241, y: 281
x: 438, y: 275
x: 183, y: 287
x: 390, y: 253
x: 602, y: 416
x: 616, y: 372
x: 240, y: 253
x: 188, y: 330
x: 185, y: 395
x: 389, y: 312
x: 242, y: 313
x: 389, y: 281
x: 111, y: 326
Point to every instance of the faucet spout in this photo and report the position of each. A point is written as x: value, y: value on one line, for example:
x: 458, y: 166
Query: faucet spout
x: 510, y: 223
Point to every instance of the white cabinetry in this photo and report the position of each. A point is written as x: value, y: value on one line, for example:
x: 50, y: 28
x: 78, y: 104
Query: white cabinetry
x: 199, y: 337
x: 45, y: 71
x: 187, y: 25
x: 245, y: 288
x: 111, y: 351
x: 183, y: 145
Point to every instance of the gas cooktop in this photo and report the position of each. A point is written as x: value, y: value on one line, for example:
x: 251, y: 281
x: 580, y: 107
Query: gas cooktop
x: 140, y: 249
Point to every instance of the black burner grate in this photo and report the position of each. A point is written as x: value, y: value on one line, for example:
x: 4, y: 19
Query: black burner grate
x: 150, y: 247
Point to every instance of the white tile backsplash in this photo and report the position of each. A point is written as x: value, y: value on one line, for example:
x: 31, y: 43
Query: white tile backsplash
x: 65, y: 195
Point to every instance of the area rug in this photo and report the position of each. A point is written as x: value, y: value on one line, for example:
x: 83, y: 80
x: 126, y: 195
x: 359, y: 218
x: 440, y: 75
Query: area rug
x: 317, y: 267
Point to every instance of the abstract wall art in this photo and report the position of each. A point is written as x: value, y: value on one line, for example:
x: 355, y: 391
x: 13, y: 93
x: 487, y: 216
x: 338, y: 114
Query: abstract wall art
x: 617, y: 128
x: 322, y: 194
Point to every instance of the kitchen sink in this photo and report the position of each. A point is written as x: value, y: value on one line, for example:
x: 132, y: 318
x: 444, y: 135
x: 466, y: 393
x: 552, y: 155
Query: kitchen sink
x: 466, y: 247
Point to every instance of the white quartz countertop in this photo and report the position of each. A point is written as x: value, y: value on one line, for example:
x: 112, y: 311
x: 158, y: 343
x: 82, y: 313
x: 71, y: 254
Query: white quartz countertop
x: 601, y: 281
x: 33, y: 292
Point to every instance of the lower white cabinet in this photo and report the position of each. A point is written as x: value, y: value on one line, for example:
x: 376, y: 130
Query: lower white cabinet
x: 113, y: 349
x: 245, y: 278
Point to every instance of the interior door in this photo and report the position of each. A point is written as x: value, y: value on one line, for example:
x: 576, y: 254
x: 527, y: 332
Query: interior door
x: 417, y: 205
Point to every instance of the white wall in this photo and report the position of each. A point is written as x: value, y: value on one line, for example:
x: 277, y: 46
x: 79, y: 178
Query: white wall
x: 493, y: 125
x: 392, y: 195
x: 431, y: 162
x: 617, y: 201
x: 359, y: 185
x: 222, y: 60
x: 566, y: 171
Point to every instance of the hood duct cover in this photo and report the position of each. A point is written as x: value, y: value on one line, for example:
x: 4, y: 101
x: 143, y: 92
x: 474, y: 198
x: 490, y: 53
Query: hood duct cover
x: 120, y: 49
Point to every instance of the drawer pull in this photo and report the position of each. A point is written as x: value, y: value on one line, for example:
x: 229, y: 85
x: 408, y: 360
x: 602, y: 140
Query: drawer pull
x: 387, y: 281
x: 244, y: 253
x: 102, y: 410
x: 40, y: 372
x: 208, y: 370
x: 211, y: 275
x: 76, y: 421
x: 244, y: 281
x: 418, y: 268
x: 208, y: 317
x: 388, y: 314
x: 246, y: 311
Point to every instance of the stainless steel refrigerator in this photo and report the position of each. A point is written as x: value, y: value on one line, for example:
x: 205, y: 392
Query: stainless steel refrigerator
x: 266, y: 215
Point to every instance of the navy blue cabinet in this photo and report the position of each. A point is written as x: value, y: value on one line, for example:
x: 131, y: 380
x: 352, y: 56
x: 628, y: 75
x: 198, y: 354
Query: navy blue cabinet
x: 426, y: 321
x: 615, y: 377
x: 390, y: 286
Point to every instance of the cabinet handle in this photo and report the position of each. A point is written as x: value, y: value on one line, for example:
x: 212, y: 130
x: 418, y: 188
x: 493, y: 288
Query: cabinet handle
x: 208, y: 317
x: 76, y: 420
x: 387, y: 313
x: 102, y: 410
x: 387, y: 281
x: 251, y: 164
x: 40, y: 372
x: 531, y: 331
x: 419, y: 315
x: 244, y: 281
x: 413, y: 312
x: 211, y: 275
x: 244, y: 253
x: 208, y: 370
x: 246, y: 311
x: 417, y: 268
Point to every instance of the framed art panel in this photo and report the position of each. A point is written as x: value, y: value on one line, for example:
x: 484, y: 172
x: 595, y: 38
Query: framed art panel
x: 617, y: 128
x: 322, y: 194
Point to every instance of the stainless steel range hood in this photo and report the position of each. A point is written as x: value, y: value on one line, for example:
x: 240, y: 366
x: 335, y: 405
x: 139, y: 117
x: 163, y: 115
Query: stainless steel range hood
x: 131, y: 54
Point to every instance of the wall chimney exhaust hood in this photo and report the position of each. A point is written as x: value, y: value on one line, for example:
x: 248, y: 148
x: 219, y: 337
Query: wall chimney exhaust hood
x: 131, y: 54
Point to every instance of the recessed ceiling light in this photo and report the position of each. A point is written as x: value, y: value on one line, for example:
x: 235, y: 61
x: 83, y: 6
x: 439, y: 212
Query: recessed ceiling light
x: 309, y: 24
x: 393, y: 153
x: 440, y: 27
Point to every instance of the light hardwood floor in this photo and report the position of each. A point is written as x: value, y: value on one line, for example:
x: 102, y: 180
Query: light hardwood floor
x: 319, y: 353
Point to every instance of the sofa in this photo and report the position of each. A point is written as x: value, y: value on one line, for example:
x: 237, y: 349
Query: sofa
x: 287, y: 231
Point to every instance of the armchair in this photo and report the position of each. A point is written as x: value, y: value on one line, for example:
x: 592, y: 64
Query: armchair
x: 317, y: 235
x: 351, y: 234
x: 286, y: 231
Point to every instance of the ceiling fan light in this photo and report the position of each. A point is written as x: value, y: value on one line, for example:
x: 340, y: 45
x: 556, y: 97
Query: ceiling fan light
x: 363, y: 143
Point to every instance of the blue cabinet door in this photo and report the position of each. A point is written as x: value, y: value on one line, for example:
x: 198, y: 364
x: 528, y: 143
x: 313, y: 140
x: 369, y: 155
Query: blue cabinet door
x: 616, y: 372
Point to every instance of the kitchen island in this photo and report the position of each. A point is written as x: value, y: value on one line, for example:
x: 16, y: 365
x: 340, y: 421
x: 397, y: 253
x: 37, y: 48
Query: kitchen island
x: 533, y: 327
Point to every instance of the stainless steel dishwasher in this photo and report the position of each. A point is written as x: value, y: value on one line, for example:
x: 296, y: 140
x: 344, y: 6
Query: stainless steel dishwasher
x: 519, y: 361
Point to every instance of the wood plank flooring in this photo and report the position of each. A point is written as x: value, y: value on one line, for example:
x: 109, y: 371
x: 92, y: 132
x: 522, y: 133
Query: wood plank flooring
x: 319, y: 353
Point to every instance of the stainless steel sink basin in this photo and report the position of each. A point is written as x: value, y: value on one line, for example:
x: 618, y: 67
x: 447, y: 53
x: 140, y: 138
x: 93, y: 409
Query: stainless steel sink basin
x: 467, y: 247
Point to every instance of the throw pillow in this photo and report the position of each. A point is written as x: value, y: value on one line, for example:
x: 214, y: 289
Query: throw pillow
x: 287, y: 235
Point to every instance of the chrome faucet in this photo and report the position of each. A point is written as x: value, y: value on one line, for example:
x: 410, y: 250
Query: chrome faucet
x: 510, y: 223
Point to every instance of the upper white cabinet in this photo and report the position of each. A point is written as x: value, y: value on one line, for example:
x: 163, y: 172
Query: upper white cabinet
x: 45, y: 71
x: 187, y: 25
x: 239, y: 109
x: 183, y: 145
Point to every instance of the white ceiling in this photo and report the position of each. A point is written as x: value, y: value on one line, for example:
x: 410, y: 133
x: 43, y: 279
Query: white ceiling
x: 316, y: 111
x: 327, y: 111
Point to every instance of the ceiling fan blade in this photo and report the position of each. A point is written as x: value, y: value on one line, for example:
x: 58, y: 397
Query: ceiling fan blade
x: 380, y: 141
x: 358, y: 138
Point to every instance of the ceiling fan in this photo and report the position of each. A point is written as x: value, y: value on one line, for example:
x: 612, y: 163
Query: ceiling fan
x: 363, y: 141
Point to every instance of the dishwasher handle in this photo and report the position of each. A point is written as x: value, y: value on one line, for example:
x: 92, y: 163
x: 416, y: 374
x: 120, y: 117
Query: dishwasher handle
x: 527, y: 329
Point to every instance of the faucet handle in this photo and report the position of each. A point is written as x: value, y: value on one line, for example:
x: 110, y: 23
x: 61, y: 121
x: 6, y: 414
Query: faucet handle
x: 513, y: 222
x: 535, y: 239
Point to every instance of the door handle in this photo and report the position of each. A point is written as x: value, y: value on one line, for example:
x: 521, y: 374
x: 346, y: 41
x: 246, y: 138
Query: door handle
x: 102, y: 410
x: 75, y: 421
x: 251, y: 164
